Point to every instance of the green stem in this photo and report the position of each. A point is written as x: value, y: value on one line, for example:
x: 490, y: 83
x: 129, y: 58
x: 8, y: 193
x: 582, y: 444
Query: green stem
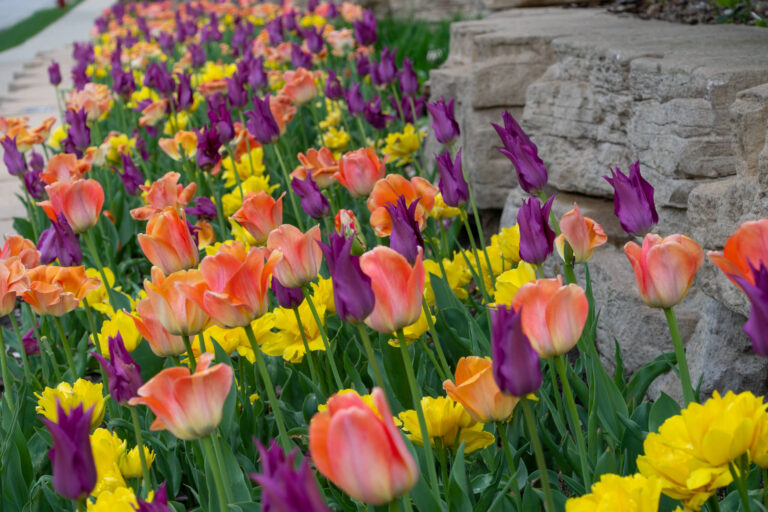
x: 573, y: 416
x: 190, y: 354
x: 81, y: 505
x: 67, y: 348
x: 435, y: 339
x: 7, y: 382
x: 713, y: 504
x: 24, y: 360
x: 416, y: 399
x: 288, y: 189
x: 549, y: 505
x: 219, y: 205
x: 739, y: 478
x: 88, y: 235
x: 270, y: 389
x: 481, y: 280
x: 361, y: 126
x: 236, y: 173
x: 310, y: 357
x: 682, y: 362
x: 765, y: 487
x: 207, y: 445
x: 377, y: 375
x: 555, y: 390
x: 324, y: 336
x: 220, y: 463
x: 502, y: 428
x: 146, y: 482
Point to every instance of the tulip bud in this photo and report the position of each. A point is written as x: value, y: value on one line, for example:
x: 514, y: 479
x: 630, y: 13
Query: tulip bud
x: 536, y: 237
x: 121, y: 370
x: 633, y: 201
x: 515, y: 362
x: 582, y: 234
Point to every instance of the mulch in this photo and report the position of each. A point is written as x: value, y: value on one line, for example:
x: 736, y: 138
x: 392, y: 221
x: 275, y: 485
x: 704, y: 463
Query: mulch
x: 690, y: 12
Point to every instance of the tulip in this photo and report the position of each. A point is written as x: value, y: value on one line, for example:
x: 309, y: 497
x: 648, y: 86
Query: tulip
x: 159, y: 502
x: 74, y: 470
x: 300, y: 58
x: 365, y: 29
x: 165, y: 192
x: 260, y: 214
x: 80, y: 201
x: 16, y: 245
x: 362, y: 65
x: 355, y: 101
x: 375, y: 116
x: 386, y: 71
x: 349, y: 436
x: 168, y: 244
x: 12, y: 157
x: 275, y: 30
x: 189, y: 405
x: 744, y: 250
x: 444, y: 124
x: 333, y: 88
x: 536, y: 237
x: 409, y: 81
x: 633, y: 201
x: 182, y: 145
x: 261, y: 122
x: 235, y: 283
x: 553, y: 316
x: 174, y: 310
x: 313, y: 202
x: 359, y: 171
x: 518, y: 147
x: 208, y: 144
x: 161, y: 342
x: 13, y: 282
x: 123, y: 372
x: 65, y: 167
x: 756, y: 290
x: 389, y: 190
x: 34, y: 184
x: 321, y: 165
x: 397, y: 286
x: 515, y: 362
x: 59, y: 242
x: 288, y: 298
x: 582, y: 234
x: 452, y: 184
x: 203, y: 209
x: 131, y: 176
x: 353, y: 296
x: 664, y: 267
x: 58, y: 290
x: 406, y: 236
x: 299, y: 255
x: 477, y: 391
x: 54, y: 73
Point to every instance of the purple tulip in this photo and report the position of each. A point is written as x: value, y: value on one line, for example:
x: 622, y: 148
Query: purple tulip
x: 355, y: 101
x: 236, y: 93
x: 444, y: 123
x: 275, y: 31
x: 374, y: 115
x: 123, y: 83
x: 36, y: 161
x: 409, y: 81
x: 60, y: 242
x: 283, y: 488
x: 406, y: 107
x: 633, y: 201
x: 197, y: 54
x: 158, y: 78
x: 333, y: 88
x: 79, y: 75
x: 35, y: 184
x: 406, y: 235
x: 211, y: 31
x: 208, y: 145
x: 757, y: 325
x: 452, y: 184
x: 158, y: 504
x: 312, y: 5
x: 220, y: 117
x: 13, y: 158
x: 257, y: 77
x: 352, y: 293
x: 515, y: 364
x: 184, y: 96
x: 261, y: 123
x: 288, y: 298
x: 141, y: 23
x: 365, y: 29
x: 54, y: 73
x: 204, y: 208
x: 536, y: 237
x: 385, y: 72
x: 241, y: 37
x: 131, y: 176
x: 74, y: 470
x: 31, y: 344
x: 314, y: 39
x: 362, y: 65
x: 83, y: 52
x: 518, y: 147
x: 300, y: 58
x: 123, y: 373
x: 78, y: 134
x: 289, y: 21
x: 333, y: 11
x: 313, y: 202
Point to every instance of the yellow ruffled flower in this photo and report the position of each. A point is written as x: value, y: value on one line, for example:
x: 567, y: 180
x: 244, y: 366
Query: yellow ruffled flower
x: 241, y: 234
x: 336, y: 139
x: 287, y: 341
x: 497, y: 264
x: 400, y: 147
x: 313, y: 20
x: 70, y: 396
x: 333, y: 118
x: 176, y: 123
x: 107, y: 449
x: 233, y: 200
x: 129, y: 462
x: 121, y: 322
x: 145, y: 93
x: 262, y: 327
x: 116, y: 146
x: 121, y: 499
x: 98, y: 299
x: 510, y: 281
x: 458, y: 275
x: 440, y: 210
x: 508, y: 241
x: 228, y: 339
x: 614, y: 493
x: 445, y: 420
x: 254, y: 160
x: 214, y: 71
x: 57, y: 135
x: 322, y: 293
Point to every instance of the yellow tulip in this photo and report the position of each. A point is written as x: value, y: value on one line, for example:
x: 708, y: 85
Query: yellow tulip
x: 70, y: 396
x: 613, y: 493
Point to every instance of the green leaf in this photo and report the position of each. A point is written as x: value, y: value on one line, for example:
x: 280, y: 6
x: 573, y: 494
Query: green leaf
x: 645, y: 375
x: 663, y: 408
x: 606, y: 463
x: 458, y: 487
x: 610, y: 403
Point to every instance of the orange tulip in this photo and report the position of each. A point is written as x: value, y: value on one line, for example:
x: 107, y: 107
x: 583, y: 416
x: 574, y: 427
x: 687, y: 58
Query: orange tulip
x: 321, y: 165
x: 80, y: 201
x: 168, y: 244
x: 283, y: 110
x: 189, y: 405
x: 749, y: 244
x: 389, y: 189
x: 260, y: 214
x: 182, y: 141
x: 167, y: 191
x: 477, y: 391
x: 298, y: 254
x: 234, y: 292
x: 359, y: 171
x: 244, y: 142
x: 26, y: 137
x: 94, y: 98
x: 553, y: 315
x: 582, y: 234
x: 299, y: 86
x: 361, y: 450
x: 161, y: 342
x: 397, y: 286
x: 13, y: 281
x: 57, y: 290
x: 65, y: 167
x: 664, y: 267
x: 178, y: 314
x: 211, y: 87
x: 153, y: 113
x: 25, y: 250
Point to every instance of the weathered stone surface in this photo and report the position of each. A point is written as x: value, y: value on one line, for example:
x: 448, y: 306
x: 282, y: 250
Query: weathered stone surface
x: 436, y: 10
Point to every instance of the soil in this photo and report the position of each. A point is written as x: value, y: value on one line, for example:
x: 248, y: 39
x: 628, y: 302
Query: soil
x: 690, y: 12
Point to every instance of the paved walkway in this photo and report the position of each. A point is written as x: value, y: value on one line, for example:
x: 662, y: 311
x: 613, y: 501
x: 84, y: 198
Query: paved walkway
x: 24, y: 87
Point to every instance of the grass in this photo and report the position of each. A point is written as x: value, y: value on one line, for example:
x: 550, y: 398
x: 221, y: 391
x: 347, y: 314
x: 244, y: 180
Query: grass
x: 425, y: 43
x: 28, y: 27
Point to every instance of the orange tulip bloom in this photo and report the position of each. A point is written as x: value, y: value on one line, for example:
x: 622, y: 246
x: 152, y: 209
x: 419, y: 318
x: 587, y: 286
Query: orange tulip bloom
x: 234, y: 292
x: 57, y: 290
x: 359, y: 171
x: 397, y: 286
x: 182, y: 141
x: 582, y: 234
x: 163, y: 193
x: 321, y: 165
x: 283, y: 110
x: 749, y: 244
x: 94, y: 98
x: 25, y: 250
x: 26, y: 137
x: 361, y: 450
x: 298, y: 254
x: 161, y: 342
x: 389, y: 190
x: 168, y: 244
x: 178, y: 314
x: 189, y: 405
x: 664, y: 267
x: 153, y: 113
x: 80, y: 201
x: 553, y: 315
x: 244, y: 142
x: 65, y: 167
x: 13, y: 281
x: 260, y: 214
x: 477, y: 391
x: 299, y: 86
x: 211, y: 87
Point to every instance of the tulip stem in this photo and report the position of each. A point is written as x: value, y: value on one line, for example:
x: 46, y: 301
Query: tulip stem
x: 146, y: 482
x: 713, y: 504
x: 502, y: 428
x: 682, y: 362
x: 220, y: 463
x: 573, y: 415
x: 237, y: 173
x: 207, y: 444
x: 324, y: 336
x: 190, y: 354
x: 219, y: 205
x: 288, y: 189
x: 481, y: 280
x: 89, y: 243
x: 435, y: 339
x: 377, y: 375
x: 67, y: 348
x: 549, y: 505
x: 416, y: 399
x: 24, y: 360
x: 310, y: 357
x: 273, y: 402
x: 92, y: 326
x: 7, y: 382
x: 740, y: 475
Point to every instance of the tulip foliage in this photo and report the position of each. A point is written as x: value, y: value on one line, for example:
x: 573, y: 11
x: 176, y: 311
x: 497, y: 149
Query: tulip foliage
x: 240, y: 284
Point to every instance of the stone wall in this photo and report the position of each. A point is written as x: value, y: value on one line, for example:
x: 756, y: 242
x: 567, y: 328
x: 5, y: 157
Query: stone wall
x: 597, y: 91
x: 436, y: 10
